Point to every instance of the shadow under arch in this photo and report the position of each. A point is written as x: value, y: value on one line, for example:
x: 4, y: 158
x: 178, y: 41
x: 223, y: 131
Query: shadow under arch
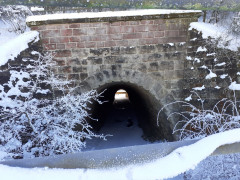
x: 145, y: 94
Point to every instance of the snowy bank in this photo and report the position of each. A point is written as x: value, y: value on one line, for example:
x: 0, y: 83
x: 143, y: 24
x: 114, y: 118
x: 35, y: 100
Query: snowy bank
x: 14, y: 47
x: 217, y: 32
x: 177, y: 162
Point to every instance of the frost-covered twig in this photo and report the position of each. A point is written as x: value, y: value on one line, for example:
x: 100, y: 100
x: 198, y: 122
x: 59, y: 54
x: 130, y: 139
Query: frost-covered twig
x: 15, y: 16
x: 199, y: 122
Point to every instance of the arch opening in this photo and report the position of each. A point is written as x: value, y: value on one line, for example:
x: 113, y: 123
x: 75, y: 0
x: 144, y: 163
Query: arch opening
x: 121, y: 99
x: 128, y: 114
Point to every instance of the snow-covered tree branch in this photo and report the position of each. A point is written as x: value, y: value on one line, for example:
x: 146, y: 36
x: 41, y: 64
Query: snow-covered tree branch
x: 32, y: 125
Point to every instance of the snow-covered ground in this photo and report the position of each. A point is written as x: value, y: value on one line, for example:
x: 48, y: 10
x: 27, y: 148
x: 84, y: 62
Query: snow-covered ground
x: 12, y: 43
x: 179, y: 161
x: 13, y: 47
x: 6, y: 33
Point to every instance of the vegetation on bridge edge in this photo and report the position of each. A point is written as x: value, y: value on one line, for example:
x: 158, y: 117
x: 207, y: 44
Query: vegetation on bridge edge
x: 230, y: 5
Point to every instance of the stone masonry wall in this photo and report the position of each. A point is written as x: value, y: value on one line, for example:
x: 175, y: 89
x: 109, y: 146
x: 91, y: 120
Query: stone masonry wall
x: 203, y: 57
x: 156, y: 47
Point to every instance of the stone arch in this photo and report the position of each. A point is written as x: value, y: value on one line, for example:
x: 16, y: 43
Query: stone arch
x: 147, y: 94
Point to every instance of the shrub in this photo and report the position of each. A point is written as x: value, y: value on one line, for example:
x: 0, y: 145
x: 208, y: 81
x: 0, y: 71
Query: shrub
x: 32, y: 124
x: 199, y: 122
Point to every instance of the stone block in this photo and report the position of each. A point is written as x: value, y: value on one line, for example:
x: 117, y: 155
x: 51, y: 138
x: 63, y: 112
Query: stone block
x: 57, y: 26
x: 74, y: 62
x: 66, y: 32
x: 169, y: 47
x: 114, y: 30
x: 179, y: 74
x: 114, y: 59
x: 80, y: 45
x: 122, y: 43
x: 153, y: 28
x: 147, y: 49
x: 179, y: 65
x: 166, y: 65
x: 115, y: 50
x: 73, y: 77
x: 100, y: 31
x: 70, y: 45
x: 79, y: 69
x: 95, y: 60
x: 162, y: 27
x: 128, y: 50
x: 74, y: 39
x: 153, y: 66
x: 59, y: 40
x: 175, y: 39
x: 142, y: 67
x: 64, y: 69
x: 106, y: 73
x: 150, y: 41
x: 115, y: 24
x: 110, y: 43
x: 141, y: 28
x: 146, y: 22
x: 171, y: 74
x: 148, y: 35
x: 134, y: 42
x: 154, y: 57
x: 127, y: 29
x: 45, y: 40
x: 83, y: 76
x: 171, y: 33
x: 134, y: 22
x: 156, y: 75
x: 50, y: 33
x: 63, y: 53
x: 132, y: 36
x: 90, y: 44
x: 116, y: 36
x: 60, y: 46
x: 159, y: 34
x: 100, y: 44
x: 84, y: 61
x: 79, y: 32
x: 92, y: 31
x: 74, y: 26
x: 99, y: 76
x: 59, y: 62
x: 100, y: 51
x: 159, y: 21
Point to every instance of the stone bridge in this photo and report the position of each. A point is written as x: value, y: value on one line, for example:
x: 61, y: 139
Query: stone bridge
x: 143, y: 52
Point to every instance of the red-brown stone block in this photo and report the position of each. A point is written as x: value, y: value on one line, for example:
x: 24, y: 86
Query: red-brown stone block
x: 66, y: 32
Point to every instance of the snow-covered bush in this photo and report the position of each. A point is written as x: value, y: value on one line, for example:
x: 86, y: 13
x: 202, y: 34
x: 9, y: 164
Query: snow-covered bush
x: 198, y: 122
x: 32, y: 124
x: 236, y: 25
x: 15, y: 16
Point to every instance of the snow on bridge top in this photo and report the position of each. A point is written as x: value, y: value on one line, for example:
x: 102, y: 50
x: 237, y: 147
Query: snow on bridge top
x: 109, y: 16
